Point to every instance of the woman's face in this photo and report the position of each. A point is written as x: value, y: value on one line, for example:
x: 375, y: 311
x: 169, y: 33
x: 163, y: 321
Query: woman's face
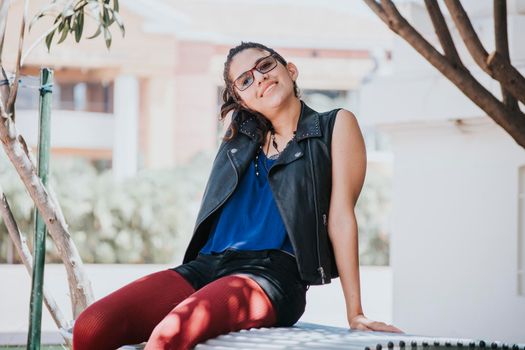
x: 269, y: 90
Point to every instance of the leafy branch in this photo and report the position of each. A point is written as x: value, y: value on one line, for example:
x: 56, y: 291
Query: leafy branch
x: 70, y: 19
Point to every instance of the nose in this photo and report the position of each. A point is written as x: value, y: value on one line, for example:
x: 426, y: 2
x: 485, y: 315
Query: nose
x: 259, y: 77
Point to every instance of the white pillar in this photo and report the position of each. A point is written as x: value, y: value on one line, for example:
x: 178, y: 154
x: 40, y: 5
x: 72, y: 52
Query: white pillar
x: 125, y: 143
x: 160, y: 97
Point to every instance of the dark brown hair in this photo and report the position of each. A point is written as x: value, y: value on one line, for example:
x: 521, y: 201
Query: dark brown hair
x: 231, y: 101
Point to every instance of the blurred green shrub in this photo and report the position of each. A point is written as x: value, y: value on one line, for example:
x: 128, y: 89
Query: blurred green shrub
x: 144, y: 219
x: 372, y: 213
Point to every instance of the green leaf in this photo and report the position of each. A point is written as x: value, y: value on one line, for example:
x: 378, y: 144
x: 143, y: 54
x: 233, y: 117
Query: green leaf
x: 49, y: 39
x: 71, y: 24
x: 36, y: 18
x: 107, y: 37
x: 111, y: 21
x: 120, y: 23
x: 57, y: 18
x: 61, y: 26
x: 72, y: 20
x: 105, y: 16
x: 80, y: 5
x: 65, y: 31
x: 79, y: 26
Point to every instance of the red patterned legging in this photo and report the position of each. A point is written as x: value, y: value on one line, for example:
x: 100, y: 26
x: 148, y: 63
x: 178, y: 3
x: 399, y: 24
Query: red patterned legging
x: 163, y: 309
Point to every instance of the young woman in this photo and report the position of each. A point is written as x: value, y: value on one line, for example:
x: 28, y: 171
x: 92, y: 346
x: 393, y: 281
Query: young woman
x: 277, y: 216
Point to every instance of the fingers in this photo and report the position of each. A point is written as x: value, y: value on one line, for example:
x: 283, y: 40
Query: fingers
x: 383, y: 327
x: 363, y: 324
x: 362, y: 327
x: 396, y: 330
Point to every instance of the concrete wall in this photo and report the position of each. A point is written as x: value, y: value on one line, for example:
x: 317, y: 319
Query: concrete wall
x: 455, y: 230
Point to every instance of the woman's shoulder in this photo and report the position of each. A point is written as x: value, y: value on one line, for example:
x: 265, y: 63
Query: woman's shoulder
x: 347, y: 121
x: 337, y: 113
x: 346, y: 131
x: 342, y: 113
x: 337, y: 119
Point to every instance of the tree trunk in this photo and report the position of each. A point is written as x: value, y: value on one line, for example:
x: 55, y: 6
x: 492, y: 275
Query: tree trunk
x: 27, y: 259
x: 15, y: 148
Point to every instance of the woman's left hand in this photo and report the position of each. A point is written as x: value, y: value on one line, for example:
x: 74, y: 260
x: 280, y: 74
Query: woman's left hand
x: 360, y: 322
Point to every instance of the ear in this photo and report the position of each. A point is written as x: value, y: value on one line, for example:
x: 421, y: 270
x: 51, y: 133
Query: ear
x: 293, y: 71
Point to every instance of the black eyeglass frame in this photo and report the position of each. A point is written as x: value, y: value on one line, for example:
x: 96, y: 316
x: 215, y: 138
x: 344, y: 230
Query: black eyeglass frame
x: 255, y: 67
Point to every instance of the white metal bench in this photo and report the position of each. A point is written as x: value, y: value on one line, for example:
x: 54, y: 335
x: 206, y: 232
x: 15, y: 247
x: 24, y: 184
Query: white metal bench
x: 314, y: 336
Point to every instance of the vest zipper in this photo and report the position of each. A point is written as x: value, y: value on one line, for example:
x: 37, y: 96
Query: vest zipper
x: 320, y: 269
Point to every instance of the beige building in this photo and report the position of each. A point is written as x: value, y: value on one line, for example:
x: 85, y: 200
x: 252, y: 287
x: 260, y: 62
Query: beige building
x: 152, y: 100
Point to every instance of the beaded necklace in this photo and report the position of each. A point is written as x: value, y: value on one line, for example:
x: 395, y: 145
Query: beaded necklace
x: 274, y: 143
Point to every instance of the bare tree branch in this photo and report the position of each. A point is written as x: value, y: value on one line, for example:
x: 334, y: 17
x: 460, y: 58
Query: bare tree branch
x: 378, y: 10
x: 500, y: 28
x: 69, y: 20
x: 37, y: 41
x: 502, y: 45
x: 467, y: 32
x: 26, y: 257
x: 442, y: 32
x: 494, y: 65
x: 4, y: 9
x: 4, y: 86
x: 511, y: 121
x: 79, y: 285
x: 10, y: 107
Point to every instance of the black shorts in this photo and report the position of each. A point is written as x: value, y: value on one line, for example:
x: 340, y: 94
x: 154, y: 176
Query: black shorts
x: 274, y: 270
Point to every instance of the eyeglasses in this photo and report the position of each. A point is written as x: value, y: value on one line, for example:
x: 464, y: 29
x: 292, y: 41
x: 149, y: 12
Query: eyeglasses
x: 263, y: 65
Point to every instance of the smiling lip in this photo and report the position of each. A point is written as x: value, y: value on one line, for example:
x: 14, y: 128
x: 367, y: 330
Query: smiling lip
x: 268, y: 87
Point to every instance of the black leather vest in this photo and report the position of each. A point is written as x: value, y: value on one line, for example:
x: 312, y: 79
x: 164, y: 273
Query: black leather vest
x: 301, y: 183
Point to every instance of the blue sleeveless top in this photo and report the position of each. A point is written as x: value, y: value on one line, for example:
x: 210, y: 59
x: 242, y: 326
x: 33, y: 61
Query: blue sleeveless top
x: 250, y: 220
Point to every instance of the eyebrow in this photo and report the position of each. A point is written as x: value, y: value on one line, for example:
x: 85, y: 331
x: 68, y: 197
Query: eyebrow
x: 256, y: 62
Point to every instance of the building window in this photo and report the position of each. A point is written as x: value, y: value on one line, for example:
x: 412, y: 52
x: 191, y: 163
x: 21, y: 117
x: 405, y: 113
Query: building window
x: 85, y: 96
x: 79, y: 96
x: 70, y: 96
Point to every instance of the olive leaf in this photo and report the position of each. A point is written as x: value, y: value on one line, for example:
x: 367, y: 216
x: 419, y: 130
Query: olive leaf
x: 107, y: 37
x: 79, y: 26
x: 65, y: 31
x: 49, y: 39
x: 71, y: 19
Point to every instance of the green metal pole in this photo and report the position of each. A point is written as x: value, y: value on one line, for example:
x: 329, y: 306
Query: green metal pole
x: 39, y: 244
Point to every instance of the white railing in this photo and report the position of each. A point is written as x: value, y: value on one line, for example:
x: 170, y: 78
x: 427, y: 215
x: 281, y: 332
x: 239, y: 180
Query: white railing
x: 70, y: 129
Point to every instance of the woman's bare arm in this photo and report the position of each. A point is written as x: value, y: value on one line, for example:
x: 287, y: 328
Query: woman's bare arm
x: 348, y: 174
